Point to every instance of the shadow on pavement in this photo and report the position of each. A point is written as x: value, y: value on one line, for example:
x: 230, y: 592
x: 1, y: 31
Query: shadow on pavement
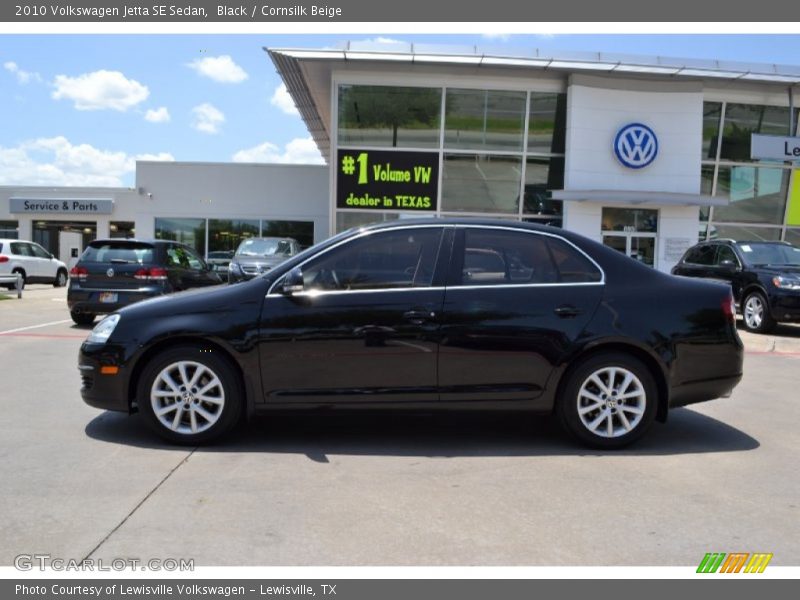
x: 430, y: 435
x: 786, y: 330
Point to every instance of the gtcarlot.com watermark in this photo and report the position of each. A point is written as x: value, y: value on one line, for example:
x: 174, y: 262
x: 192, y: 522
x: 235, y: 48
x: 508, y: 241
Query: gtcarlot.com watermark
x: 45, y: 562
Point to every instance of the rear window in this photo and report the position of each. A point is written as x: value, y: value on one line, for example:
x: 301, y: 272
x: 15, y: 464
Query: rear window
x: 118, y: 252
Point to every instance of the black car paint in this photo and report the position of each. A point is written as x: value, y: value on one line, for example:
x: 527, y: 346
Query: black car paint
x: 356, y: 351
x: 744, y: 278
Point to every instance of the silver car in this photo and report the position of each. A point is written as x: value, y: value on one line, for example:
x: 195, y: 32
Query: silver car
x: 255, y: 256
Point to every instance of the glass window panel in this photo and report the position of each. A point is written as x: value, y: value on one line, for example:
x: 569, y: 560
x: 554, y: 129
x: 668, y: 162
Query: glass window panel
x: 8, y: 230
x: 542, y: 175
x: 186, y: 231
x: 481, y: 183
x: 484, y: 119
x: 630, y: 220
x: 743, y: 119
x: 793, y: 237
x: 302, y: 231
x: 398, y: 117
x: 225, y: 235
x: 547, y: 123
x: 396, y: 259
x: 712, y: 111
x: 701, y: 255
x: 757, y: 194
x: 122, y: 229
x: 744, y: 233
x: 348, y: 220
x: 493, y: 257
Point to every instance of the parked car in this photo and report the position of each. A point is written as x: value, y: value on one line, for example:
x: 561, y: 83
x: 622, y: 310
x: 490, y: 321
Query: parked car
x: 114, y: 273
x: 219, y: 260
x: 255, y: 256
x: 434, y: 313
x: 34, y: 263
x: 764, y: 277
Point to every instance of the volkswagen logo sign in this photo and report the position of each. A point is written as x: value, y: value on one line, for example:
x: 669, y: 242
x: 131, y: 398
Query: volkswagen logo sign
x: 636, y: 146
x: 110, y: 272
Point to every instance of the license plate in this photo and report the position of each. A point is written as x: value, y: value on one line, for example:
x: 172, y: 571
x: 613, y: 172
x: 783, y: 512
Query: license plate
x: 108, y: 297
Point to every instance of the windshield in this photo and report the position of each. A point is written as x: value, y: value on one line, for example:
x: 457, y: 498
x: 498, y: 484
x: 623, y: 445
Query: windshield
x: 264, y: 247
x: 771, y: 254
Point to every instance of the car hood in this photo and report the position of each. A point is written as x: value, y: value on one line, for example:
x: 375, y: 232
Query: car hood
x: 779, y: 270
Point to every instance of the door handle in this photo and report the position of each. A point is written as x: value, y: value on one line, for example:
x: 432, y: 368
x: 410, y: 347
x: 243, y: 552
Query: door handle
x: 568, y: 311
x: 419, y: 316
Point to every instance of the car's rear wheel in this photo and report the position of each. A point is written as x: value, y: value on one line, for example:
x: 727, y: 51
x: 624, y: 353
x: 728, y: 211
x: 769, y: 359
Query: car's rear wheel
x: 755, y: 314
x: 61, y: 278
x: 188, y: 395
x: 609, y: 401
x: 82, y: 318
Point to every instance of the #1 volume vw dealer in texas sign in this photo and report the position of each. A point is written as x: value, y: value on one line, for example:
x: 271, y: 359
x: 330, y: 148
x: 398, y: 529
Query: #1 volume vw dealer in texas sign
x: 387, y: 180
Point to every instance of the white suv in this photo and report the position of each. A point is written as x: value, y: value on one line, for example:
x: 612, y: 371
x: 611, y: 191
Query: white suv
x: 35, y: 263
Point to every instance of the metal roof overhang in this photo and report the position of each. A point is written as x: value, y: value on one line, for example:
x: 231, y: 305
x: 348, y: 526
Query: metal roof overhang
x: 292, y: 65
x: 641, y: 198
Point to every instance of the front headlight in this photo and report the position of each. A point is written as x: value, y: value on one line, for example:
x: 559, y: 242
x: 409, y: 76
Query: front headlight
x: 786, y: 283
x: 103, y: 330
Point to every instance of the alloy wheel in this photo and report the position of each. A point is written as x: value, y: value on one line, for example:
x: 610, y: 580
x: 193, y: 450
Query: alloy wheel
x: 187, y: 397
x: 611, y: 402
x: 754, y: 312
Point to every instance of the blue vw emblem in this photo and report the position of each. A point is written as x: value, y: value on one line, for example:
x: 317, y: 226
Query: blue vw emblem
x: 636, y: 146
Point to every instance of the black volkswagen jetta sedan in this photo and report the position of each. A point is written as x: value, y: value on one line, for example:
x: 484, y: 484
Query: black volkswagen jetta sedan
x: 452, y: 314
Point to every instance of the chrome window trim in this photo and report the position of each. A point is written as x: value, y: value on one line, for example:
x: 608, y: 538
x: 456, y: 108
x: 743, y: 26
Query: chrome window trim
x: 452, y: 287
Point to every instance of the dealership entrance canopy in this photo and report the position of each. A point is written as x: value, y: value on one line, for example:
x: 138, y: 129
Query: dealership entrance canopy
x: 644, y: 154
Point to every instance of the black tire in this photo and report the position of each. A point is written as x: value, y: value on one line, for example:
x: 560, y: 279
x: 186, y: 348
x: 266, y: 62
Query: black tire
x: 619, y: 411
x: 757, y: 323
x: 82, y: 318
x: 229, y: 389
x: 61, y: 278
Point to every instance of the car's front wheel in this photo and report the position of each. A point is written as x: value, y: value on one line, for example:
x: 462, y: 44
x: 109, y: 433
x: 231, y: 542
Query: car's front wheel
x: 189, y: 395
x: 82, y: 318
x: 755, y: 314
x: 609, y: 401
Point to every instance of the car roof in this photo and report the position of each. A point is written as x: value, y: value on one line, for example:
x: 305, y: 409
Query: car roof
x: 134, y: 241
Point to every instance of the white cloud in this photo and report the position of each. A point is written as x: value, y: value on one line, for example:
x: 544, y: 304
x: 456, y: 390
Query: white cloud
x: 207, y: 118
x: 23, y: 77
x: 56, y: 161
x: 298, y: 151
x: 100, y: 90
x: 219, y: 68
x: 503, y: 37
x: 158, y: 115
x: 283, y: 100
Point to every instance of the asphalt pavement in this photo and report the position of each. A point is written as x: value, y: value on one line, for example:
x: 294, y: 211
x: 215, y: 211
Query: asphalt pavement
x: 374, y: 489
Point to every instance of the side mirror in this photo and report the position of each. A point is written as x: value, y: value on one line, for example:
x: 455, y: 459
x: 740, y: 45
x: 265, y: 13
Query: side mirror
x: 292, y: 282
x: 728, y: 265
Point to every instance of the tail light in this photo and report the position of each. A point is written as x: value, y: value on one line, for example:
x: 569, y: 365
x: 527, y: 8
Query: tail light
x: 151, y: 274
x: 3, y: 259
x: 79, y: 273
x: 729, y: 308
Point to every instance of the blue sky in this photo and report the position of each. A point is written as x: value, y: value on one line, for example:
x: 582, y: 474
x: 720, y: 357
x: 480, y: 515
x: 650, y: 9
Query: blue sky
x: 79, y: 109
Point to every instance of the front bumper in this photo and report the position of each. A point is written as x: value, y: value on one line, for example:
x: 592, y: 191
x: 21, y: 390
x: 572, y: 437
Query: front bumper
x: 104, y: 390
x: 785, y: 305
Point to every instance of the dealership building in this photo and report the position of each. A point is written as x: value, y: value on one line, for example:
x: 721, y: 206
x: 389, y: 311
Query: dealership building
x: 644, y: 154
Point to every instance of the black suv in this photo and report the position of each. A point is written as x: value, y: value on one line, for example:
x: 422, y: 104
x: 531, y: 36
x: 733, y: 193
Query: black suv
x: 764, y: 277
x: 113, y: 273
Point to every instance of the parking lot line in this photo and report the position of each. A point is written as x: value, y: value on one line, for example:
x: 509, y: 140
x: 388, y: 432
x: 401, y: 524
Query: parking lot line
x: 34, y: 326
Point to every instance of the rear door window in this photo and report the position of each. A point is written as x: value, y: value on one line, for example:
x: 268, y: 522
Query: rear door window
x: 701, y: 255
x: 21, y: 249
x: 119, y: 252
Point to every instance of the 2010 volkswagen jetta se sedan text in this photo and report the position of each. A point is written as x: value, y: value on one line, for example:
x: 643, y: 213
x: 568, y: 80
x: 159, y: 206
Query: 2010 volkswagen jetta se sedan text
x: 459, y: 314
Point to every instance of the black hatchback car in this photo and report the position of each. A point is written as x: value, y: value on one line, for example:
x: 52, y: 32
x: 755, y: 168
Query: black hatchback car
x: 458, y: 314
x: 114, y: 273
x: 764, y: 277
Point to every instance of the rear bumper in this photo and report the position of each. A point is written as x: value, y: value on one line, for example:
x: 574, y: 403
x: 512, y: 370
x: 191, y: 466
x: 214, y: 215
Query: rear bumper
x: 701, y: 391
x: 88, y: 300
